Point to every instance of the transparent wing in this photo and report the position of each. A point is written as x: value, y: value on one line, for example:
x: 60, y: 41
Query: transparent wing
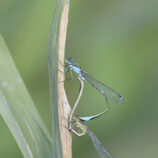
x: 103, y: 153
x: 109, y: 93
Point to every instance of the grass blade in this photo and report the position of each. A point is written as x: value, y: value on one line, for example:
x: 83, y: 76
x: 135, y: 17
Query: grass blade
x: 19, y: 112
x: 59, y: 103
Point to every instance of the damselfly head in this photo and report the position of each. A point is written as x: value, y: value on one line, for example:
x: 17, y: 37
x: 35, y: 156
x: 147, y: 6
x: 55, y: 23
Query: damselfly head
x: 69, y: 60
x: 76, y: 118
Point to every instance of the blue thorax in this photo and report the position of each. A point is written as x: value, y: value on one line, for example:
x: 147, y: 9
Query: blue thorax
x: 77, y: 69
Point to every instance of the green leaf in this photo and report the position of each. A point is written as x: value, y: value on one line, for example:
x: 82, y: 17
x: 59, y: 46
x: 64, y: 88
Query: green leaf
x: 19, y: 112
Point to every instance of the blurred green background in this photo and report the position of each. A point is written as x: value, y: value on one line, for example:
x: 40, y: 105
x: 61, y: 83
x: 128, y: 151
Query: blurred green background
x: 117, y: 43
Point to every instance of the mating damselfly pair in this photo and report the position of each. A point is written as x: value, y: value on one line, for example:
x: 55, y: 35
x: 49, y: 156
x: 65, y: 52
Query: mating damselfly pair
x: 76, y: 124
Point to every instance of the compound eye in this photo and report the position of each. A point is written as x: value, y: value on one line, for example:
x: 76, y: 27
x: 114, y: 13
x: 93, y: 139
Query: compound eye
x: 70, y: 59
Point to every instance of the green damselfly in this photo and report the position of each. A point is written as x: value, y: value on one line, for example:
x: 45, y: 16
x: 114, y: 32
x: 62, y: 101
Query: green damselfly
x: 80, y: 129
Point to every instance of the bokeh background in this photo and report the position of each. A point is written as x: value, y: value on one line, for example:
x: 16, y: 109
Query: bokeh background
x: 117, y: 43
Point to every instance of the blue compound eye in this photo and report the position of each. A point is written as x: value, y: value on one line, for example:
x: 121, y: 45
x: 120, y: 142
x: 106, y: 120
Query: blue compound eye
x: 70, y: 59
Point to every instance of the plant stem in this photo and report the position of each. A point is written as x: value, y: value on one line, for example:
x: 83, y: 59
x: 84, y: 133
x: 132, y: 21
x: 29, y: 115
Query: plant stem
x: 64, y: 108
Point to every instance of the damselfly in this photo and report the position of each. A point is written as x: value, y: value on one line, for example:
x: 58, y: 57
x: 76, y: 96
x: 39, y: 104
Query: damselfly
x: 80, y: 129
x: 107, y: 92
